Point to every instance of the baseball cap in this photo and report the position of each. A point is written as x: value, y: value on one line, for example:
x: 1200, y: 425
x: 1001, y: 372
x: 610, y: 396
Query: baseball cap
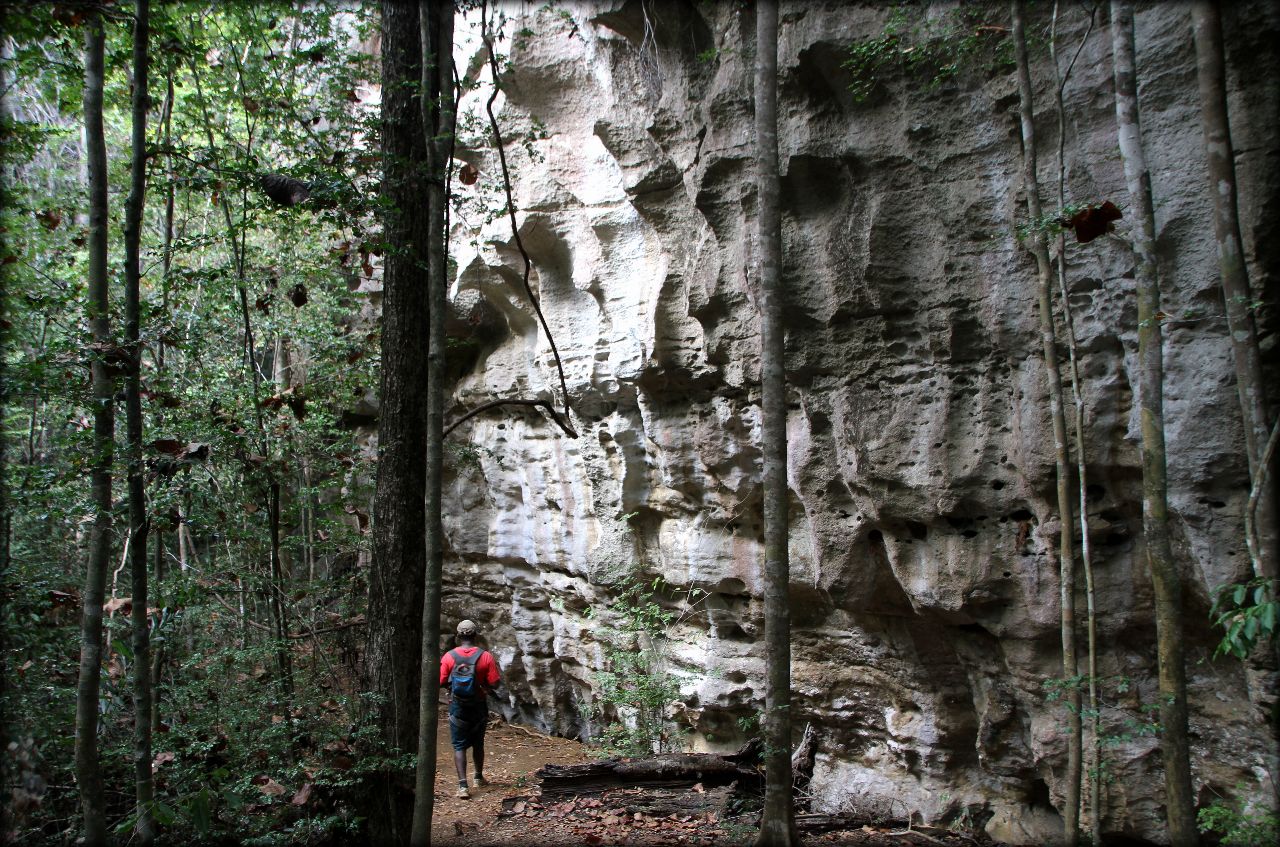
x: 467, y: 628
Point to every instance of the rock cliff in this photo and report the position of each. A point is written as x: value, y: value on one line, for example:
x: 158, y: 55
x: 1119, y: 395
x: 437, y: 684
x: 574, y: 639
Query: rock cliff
x: 924, y: 526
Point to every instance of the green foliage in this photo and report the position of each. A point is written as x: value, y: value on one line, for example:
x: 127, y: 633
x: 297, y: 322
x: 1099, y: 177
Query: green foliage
x: 1247, y: 613
x: 635, y: 690
x: 258, y: 87
x: 1051, y: 224
x: 935, y: 48
x: 1238, y: 826
x: 1119, y: 722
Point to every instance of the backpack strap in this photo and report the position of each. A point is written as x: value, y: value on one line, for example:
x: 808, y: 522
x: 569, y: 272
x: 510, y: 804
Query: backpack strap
x: 459, y: 659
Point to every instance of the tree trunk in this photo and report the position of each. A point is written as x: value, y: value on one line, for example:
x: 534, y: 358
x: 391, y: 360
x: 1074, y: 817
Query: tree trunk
x: 88, y: 770
x: 436, y: 29
x: 1049, y: 342
x: 777, y: 824
x: 1250, y: 383
x: 675, y: 769
x: 1180, y: 805
x: 1078, y: 434
x: 138, y: 524
x: 397, y: 572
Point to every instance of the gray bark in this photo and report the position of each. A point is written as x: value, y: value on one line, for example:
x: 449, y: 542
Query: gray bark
x: 88, y: 769
x: 1078, y: 434
x: 1250, y: 381
x: 777, y: 824
x: 1049, y: 343
x: 138, y: 525
x: 1179, y: 802
x: 436, y: 26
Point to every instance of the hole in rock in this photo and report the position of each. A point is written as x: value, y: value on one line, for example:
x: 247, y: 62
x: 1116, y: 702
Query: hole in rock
x: 875, y: 536
x: 1094, y: 493
x: 918, y: 530
x: 997, y: 484
x: 1038, y: 794
x: 1021, y: 515
x: 1008, y: 574
x: 844, y: 514
x: 1115, y: 539
x: 970, y: 533
x: 1111, y: 515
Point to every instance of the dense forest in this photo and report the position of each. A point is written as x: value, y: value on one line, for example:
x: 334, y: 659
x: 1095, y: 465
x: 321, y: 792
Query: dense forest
x: 835, y: 422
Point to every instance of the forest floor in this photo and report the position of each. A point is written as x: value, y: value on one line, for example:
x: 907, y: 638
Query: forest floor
x: 509, y: 810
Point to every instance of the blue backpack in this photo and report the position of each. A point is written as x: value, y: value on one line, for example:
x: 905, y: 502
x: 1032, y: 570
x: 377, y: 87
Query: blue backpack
x: 463, y: 684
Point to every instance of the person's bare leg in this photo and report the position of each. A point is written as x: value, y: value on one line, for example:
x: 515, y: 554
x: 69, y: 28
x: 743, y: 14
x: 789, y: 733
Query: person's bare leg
x: 477, y: 751
x: 460, y: 763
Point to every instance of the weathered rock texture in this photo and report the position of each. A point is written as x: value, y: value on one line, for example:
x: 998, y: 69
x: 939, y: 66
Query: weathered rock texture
x: 924, y: 585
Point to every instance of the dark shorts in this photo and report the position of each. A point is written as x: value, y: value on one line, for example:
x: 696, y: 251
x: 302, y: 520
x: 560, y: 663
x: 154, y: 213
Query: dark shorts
x: 466, y: 724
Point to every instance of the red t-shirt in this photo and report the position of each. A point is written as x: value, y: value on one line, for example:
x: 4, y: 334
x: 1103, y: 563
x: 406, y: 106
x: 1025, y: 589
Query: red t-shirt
x: 486, y: 667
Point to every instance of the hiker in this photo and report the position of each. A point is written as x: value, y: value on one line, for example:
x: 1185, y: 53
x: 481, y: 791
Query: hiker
x: 468, y: 673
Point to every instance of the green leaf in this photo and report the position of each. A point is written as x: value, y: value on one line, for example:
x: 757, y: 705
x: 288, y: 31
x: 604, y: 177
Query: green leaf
x: 200, y: 813
x: 1241, y: 592
x: 165, y: 814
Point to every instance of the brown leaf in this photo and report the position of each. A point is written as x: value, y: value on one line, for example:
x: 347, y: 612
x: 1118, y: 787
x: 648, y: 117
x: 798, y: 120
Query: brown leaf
x: 124, y: 605
x: 271, y: 788
x: 160, y: 759
x: 303, y: 795
x: 1093, y: 221
x: 467, y: 174
x: 298, y: 295
x: 63, y: 598
x: 189, y: 451
x: 49, y: 218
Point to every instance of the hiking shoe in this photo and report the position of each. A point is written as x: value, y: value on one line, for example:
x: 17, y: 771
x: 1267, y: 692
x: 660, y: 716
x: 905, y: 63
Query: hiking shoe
x: 463, y: 794
x: 481, y: 782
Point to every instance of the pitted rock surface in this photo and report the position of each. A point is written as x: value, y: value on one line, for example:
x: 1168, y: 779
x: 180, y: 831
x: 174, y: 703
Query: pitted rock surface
x: 923, y: 524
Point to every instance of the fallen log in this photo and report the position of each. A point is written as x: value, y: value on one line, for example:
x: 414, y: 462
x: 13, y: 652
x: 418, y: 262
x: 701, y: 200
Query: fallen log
x: 677, y: 770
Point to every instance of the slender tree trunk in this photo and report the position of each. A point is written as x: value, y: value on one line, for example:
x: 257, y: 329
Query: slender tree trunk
x: 1078, y: 432
x: 1049, y: 341
x: 1180, y: 805
x: 88, y: 770
x: 436, y: 20
x: 133, y: 423
x: 397, y: 573
x: 1250, y: 382
x: 777, y: 824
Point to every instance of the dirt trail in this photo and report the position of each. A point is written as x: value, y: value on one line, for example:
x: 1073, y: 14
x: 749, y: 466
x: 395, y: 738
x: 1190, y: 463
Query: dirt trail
x: 513, y: 754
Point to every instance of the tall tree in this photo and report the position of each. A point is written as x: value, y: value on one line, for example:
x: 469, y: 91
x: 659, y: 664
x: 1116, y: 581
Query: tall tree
x: 144, y: 787
x: 1049, y: 343
x: 103, y: 356
x: 394, y: 650
x: 1179, y: 803
x: 1078, y: 430
x: 1250, y: 383
x: 436, y: 24
x: 777, y: 825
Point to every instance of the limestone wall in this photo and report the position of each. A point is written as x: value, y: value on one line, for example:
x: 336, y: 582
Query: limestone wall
x: 923, y: 553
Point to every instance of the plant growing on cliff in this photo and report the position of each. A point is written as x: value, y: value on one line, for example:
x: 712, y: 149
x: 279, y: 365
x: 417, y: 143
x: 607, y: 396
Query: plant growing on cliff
x: 936, y: 48
x: 1239, y: 827
x: 634, y: 690
x: 1248, y: 613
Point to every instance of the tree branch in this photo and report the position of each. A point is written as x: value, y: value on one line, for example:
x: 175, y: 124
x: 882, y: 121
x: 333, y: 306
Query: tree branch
x: 563, y: 423
x: 511, y: 211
